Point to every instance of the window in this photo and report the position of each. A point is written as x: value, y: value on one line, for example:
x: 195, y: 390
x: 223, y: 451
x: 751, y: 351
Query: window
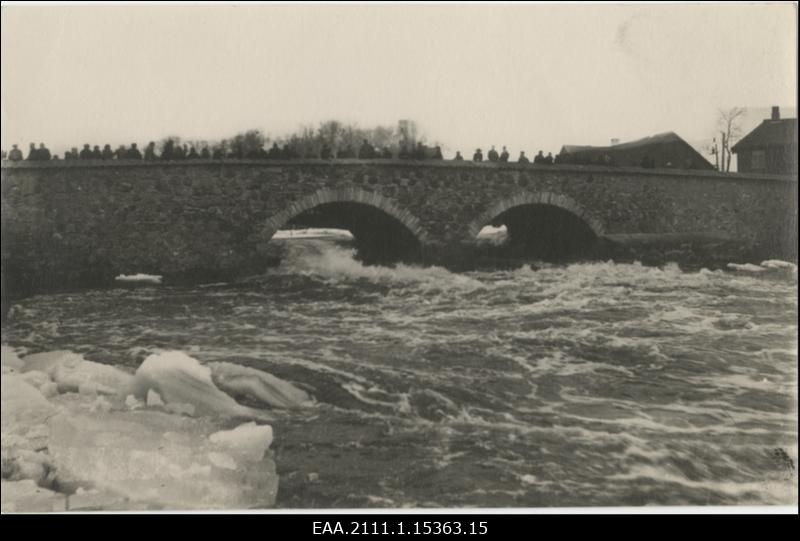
x: 758, y: 160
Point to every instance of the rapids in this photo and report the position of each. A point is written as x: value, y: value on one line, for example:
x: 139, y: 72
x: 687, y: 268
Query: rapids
x: 592, y: 384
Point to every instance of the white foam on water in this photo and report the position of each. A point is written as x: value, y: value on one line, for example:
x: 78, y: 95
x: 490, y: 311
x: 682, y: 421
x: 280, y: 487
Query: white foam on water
x: 338, y: 263
x: 778, y: 264
x: 401, y: 404
x: 773, y: 490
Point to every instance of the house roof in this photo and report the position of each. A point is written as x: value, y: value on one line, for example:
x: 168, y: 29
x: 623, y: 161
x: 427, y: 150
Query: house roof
x: 768, y: 133
x: 666, y: 137
x: 633, y: 150
x: 569, y: 149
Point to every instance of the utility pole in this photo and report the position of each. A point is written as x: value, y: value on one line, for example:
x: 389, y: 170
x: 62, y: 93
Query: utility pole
x: 724, y: 148
x: 715, y: 152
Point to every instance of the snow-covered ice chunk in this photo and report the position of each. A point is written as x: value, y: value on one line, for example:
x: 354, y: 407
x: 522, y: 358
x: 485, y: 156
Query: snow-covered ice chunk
x: 132, y: 402
x: 249, y: 441
x: 179, y: 378
x: 312, y: 233
x: 44, y: 362
x: 22, y: 406
x: 243, y: 381
x: 139, y: 278
x: 23, y: 430
x: 153, y: 399
x: 72, y: 373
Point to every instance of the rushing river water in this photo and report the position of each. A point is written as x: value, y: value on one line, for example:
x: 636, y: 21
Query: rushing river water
x: 581, y: 385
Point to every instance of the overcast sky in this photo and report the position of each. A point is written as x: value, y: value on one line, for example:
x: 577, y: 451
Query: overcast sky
x: 526, y: 76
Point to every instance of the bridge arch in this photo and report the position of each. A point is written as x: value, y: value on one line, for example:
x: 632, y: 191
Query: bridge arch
x: 535, y: 198
x: 346, y: 195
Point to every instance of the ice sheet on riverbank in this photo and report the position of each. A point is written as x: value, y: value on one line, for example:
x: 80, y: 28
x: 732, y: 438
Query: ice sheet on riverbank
x: 97, y: 449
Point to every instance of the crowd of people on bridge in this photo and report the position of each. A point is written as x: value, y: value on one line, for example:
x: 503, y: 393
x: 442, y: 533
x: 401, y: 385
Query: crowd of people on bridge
x: 493, y: 156
x: 171, y: 151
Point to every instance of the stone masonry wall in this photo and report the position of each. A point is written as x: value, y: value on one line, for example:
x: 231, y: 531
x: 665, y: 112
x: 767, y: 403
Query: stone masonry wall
x: 71, y: 223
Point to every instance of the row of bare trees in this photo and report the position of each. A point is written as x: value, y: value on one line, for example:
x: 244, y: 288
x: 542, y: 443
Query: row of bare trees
x: 332, y: 136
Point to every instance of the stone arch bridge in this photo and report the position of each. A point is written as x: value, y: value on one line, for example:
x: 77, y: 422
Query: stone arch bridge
x: 67, y: 224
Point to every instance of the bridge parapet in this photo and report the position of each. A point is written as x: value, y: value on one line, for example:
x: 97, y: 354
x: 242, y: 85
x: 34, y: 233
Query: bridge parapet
x: 426, y: 164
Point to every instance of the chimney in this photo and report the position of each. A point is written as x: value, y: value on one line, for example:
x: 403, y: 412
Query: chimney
x: 776, y: 112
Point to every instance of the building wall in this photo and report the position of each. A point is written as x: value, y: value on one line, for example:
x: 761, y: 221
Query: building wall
x: 773, y: 160
x: 83, y: 222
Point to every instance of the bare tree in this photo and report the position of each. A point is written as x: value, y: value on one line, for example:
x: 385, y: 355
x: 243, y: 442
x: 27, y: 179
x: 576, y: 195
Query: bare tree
x: 729, y: 124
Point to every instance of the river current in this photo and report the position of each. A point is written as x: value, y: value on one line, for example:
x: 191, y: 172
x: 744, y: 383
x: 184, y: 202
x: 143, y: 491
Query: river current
x: 593, y: 384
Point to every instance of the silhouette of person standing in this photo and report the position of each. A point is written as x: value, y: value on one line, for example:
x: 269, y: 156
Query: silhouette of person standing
x: 150, y: 151
x: 43, y: 153
x: 459, y: 157
x: 478, y: 156
x: 86, y: 153
x: 523, y: 158
x: 504, y: 155
x: 133, y: 153
x: 15, y: 154
x: 169, y: 150
x: 492, y: 155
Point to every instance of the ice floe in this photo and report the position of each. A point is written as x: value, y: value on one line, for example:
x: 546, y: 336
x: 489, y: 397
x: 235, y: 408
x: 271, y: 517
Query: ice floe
x: 242, y: 381
x: 181, y: 379
x: 139, y: 278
